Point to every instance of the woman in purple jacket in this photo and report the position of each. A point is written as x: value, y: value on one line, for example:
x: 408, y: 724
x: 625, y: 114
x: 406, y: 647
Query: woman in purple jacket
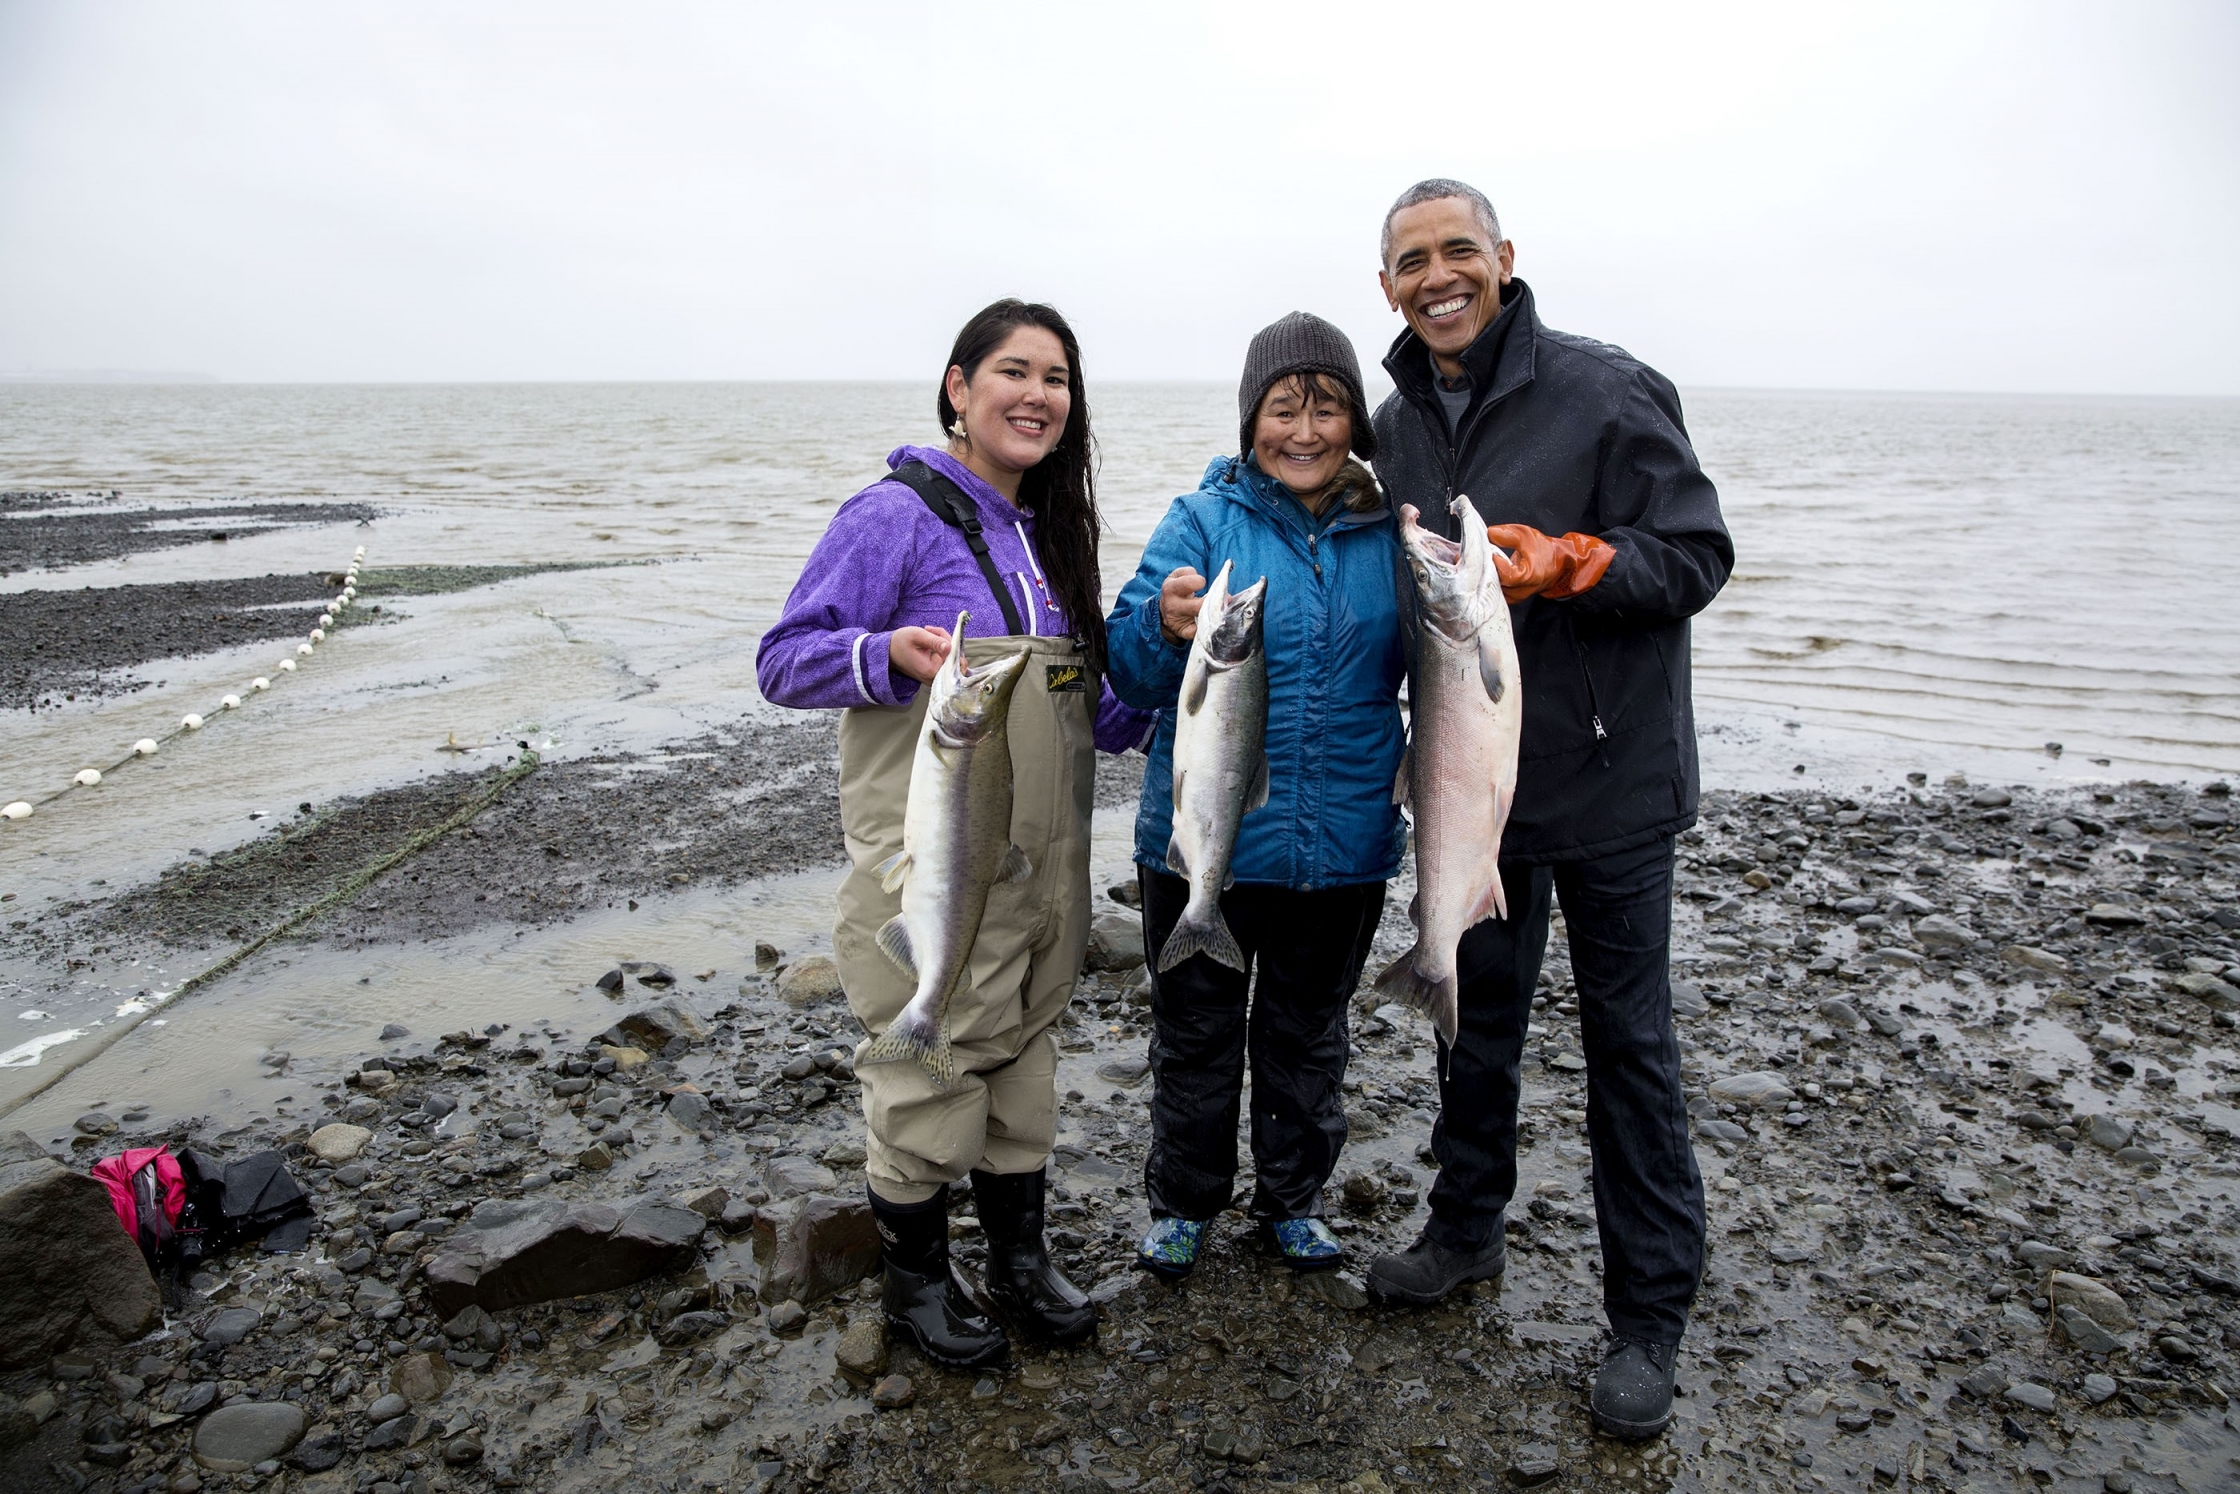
x: 1000, y: 523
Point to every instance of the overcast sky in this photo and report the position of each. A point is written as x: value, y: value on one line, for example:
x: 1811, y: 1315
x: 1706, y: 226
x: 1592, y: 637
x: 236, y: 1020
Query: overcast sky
x: 2037, y: 196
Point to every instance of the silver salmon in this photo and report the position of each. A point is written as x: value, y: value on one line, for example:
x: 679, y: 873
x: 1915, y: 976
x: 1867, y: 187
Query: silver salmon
x: 1459, y: 778
x: 956, y: 844
x: 1220, y: 763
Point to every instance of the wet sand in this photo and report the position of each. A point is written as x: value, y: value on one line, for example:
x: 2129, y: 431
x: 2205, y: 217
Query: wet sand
x: 44, y: 530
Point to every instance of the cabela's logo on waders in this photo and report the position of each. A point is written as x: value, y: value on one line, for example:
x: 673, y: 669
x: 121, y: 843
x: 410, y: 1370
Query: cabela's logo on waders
x: 1067, y: 679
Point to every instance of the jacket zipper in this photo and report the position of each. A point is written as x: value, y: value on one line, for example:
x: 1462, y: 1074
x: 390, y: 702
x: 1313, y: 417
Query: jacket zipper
x: 1594, y: 705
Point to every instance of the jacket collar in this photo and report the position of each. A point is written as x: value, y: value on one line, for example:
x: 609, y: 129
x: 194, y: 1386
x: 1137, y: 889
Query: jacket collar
x: 1500, y: 362
x: 963, y: 476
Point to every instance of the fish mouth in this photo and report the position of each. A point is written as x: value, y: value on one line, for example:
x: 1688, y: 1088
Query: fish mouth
x: 1237, y: 635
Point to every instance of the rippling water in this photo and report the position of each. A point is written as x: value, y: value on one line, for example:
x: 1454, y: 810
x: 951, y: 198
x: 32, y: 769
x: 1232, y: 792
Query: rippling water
x: 1925, y: 582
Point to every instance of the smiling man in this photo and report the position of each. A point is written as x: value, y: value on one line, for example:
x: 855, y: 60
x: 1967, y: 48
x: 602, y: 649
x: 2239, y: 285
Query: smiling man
x: 1574, y: 456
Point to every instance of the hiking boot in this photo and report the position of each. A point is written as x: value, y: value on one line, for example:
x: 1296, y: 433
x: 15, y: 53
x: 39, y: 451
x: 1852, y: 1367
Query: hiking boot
x: 1426, y: 1271
x: 1170, y: 1247
x: 1030, y: 1291
x: 1633, y: 1393
x: 1303, y: 1244
x: 923, y: 1298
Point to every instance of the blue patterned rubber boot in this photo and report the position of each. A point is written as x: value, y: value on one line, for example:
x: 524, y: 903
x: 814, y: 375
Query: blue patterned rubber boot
x: 1304, y: 1244
x: 1170, y: 1248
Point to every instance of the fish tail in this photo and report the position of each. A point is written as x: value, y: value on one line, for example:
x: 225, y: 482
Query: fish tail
x: 1437, y: 997
x: 1194, y: 935
x: 920, y: 1036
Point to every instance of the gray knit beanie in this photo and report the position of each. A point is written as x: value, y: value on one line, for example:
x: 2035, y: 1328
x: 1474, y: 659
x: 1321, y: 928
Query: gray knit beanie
x: 1301, y: 343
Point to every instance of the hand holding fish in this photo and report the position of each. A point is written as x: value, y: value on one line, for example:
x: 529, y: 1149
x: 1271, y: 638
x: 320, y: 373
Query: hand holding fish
x: 1179, y: 601
x: 1541, y: 565
x: 918, y: 652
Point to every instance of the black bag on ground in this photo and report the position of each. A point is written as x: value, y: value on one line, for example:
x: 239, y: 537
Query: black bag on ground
x: 248, y: 1198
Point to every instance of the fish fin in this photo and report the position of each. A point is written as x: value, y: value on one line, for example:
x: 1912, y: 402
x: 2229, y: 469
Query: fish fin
x: 1210, y: 938
x: 1491, y: 903
x: 1176, y: 862
x: 1256, y: 797
x: 1415, y: 910
x: 891, y: 871
x: 917, y: 1035
x: 1437, y: 999
x: 1194, y: 691
x: 1489, y: 667
x: 1400, y: 779
x: 894, y: 942
x: 1014, y: 867
x: 1174, y: 789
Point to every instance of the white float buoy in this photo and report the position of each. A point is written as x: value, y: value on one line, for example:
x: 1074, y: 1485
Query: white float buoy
x: 145, y: 747
x: 193, y: 722
x: 260, y: 683
x: 87, y: 777
x: 230, y: 703
x: 16, y: 811
x: 303, y: 650
x: 287, y: 666
x: 359, y: 553
x: 318, y: 635
x: 326, y: 619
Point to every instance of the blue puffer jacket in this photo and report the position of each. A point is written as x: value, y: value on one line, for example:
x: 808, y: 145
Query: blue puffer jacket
x: 1335, y: 664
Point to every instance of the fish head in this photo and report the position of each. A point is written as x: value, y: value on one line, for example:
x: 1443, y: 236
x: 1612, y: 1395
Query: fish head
x: 1234, y: 634
x: 1449, y: 574
x: 969, y: 705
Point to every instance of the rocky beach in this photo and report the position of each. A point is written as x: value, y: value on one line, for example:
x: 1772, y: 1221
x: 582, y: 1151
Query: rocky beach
x: 1966, y: 1097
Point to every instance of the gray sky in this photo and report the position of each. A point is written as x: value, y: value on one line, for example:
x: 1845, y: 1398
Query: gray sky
x: 2038, y: 196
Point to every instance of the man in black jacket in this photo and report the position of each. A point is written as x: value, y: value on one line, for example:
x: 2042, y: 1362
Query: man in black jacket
x: 1574, y: 454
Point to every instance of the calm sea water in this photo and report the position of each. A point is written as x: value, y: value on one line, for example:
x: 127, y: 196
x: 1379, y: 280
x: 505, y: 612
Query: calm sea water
x: 1925, y: 583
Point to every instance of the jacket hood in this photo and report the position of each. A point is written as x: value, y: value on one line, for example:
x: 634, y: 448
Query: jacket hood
x: 1242, y: 480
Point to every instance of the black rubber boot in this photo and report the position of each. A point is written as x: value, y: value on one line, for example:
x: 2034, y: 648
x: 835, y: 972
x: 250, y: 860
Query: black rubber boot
x: 922, y: 1296
x: 1633, y: 1393
x: 1033, y: 1295
x: 1426, y: 1271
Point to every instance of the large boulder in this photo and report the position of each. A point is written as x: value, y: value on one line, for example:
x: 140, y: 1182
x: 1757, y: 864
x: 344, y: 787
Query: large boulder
x: 512, y: 1253
x: 811, y: 1247
x: 67, y: 1268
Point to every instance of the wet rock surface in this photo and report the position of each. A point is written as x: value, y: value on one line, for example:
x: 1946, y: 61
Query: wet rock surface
x: 1928, y: 1268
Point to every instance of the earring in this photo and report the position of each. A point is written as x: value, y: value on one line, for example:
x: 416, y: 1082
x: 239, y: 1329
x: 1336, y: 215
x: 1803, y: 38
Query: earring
x: 958, y: 429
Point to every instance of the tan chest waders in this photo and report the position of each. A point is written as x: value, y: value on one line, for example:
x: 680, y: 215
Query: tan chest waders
x: 1001, y: 1112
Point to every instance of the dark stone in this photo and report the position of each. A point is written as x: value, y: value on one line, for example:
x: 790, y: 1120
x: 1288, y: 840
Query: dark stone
x: 394, y: 1030
x: 234, y: 1439
x: 231, y: 1326
x: 67, y: 1272
x: 812, y: 1247
x: 515, y: 1253
x: 319, y: 1454
x: 654, y: 1028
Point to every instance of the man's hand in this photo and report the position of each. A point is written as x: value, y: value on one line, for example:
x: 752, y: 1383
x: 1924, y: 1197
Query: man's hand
x: 1179, y: 603
x: 1541, y: 566
x: 918, y: 652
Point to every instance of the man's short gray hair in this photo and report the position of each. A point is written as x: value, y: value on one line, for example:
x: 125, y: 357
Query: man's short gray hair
x: 1431, y: 190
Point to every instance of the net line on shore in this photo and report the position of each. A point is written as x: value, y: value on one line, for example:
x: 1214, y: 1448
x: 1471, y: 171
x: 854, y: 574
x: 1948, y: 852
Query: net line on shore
x: 350, y: 887
x: 23, y: 809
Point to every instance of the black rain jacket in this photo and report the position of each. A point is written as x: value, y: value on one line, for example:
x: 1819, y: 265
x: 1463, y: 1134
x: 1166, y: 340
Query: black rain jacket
x: 1566, y: 433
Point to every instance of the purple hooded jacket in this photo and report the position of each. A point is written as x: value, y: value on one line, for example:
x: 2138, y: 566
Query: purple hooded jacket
x: 887, y: 562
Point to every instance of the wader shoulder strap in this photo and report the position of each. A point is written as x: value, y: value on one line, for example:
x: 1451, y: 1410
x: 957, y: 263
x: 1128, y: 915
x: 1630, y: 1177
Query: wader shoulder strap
x: 951, y: 505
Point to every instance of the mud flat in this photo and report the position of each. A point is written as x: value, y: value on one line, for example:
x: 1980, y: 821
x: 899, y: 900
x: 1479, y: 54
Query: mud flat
x: 1962, y: 1068
x: 44, y: 530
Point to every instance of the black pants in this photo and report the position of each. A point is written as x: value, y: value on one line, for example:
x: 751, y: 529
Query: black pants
x: 1648, y: 1196
x: 1307, y: 949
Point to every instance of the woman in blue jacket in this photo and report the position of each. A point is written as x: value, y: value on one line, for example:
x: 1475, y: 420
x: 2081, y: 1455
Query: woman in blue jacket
x: 1310, y: 868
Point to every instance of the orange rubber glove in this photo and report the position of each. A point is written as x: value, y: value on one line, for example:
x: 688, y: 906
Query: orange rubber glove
x: 1544, y: 566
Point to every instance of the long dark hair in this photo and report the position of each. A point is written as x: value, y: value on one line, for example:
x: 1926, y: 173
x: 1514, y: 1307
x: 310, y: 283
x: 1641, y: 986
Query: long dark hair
x: 1061, y: 488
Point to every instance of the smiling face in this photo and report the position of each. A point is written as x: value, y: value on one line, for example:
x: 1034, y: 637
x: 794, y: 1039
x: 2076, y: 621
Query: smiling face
x: 1014, y: 407
x: 1303, y: 432
x: 1445, y: 276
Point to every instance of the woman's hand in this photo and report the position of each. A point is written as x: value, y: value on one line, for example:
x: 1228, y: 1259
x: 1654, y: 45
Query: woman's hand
x: 918, y: 652
x: 1179, y: 603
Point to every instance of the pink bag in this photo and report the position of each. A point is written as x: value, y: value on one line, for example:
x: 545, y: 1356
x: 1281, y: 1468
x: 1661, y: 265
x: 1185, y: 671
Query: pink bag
x: 147, y: 1190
